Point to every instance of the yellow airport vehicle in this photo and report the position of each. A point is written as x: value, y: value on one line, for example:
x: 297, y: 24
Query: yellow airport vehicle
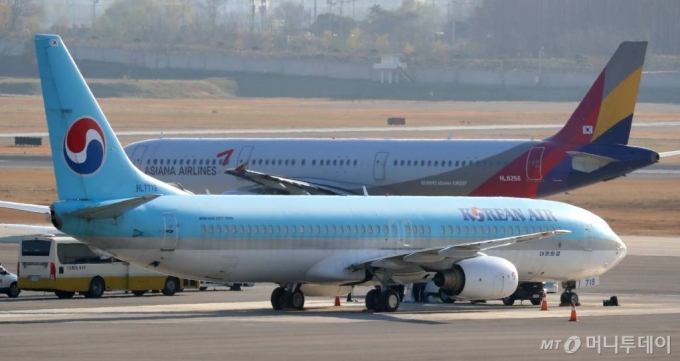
x: 65, y: 266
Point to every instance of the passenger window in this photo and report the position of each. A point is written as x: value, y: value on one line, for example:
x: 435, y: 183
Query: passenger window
x: 226, y: 228
x: 279, y: 161
x: 233, y: 228
x: 278, y: 229
x: 450, y: 163
x: 376, y: 229
x: 401, y: 163
x: 443, y: 230
x: 340, y: 230
x: 421, y: 229
x: 203, y: 228
x: 407, y: 228
x: 465, y: 230
x: 240, y: 229
x: 335, y: 162
x: 292, y: 229
x: 347, y: 229
x: 395, y: 162
x: 473, y: 229
x: 422, y: 163
x: 363, y: 229
x: 263, y: 229
x: 218, y: 228
x: 356, y: 229
x: 271, y: 229
x: 161, y: 161
x: 429, y: 163
x: 355, y: 162
x: 481, y: 229
x: 457, y: 229
x: 286, y: 163
x: 394, y: 229
x: 309, y: 230
x: 302, y: 229
x: 325, y: 229
x: 386, y: 230
x: 301, y: 163
x: 285, y: 229
x: 248, y: 229
x: 408, y: 163
x: 429, y: 230
x: 370, y: 229
x: 333, y: 229
x: 451, y: 229
x: 436, y: 163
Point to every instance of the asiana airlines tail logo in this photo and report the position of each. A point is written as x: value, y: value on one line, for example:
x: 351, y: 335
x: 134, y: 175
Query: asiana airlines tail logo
x: 475, y: 214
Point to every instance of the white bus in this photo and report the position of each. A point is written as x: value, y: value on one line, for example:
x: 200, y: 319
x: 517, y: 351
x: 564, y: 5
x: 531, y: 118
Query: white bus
x: 65, y: 266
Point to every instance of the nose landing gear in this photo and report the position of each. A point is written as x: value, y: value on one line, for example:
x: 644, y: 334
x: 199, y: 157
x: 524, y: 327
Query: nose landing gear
x: 569, y: 296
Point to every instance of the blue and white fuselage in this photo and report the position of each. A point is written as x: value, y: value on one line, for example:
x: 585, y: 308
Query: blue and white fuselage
x: 284, y: 238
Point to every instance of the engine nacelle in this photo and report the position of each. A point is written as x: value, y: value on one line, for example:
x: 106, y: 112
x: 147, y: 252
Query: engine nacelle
x: 479, y: 278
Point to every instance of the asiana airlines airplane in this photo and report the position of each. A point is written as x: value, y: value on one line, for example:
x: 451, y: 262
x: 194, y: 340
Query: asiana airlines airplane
x: 592, y: 147
x: 472, y: 247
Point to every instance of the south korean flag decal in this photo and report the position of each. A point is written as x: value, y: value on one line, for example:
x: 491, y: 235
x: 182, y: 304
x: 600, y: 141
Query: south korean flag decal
x: 54, y: 42
x: 587, y: 129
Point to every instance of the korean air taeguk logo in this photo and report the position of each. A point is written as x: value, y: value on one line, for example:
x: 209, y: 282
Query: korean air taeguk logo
x: 84, y: 146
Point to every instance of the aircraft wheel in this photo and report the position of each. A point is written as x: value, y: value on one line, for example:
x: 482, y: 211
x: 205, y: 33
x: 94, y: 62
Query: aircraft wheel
x: 278, y: 298
x: 371, y: 299
x: 508, y: 301
x: 389, y: 301
x: 535, y: 302
x: 574, y: 298
x: 297, y: 300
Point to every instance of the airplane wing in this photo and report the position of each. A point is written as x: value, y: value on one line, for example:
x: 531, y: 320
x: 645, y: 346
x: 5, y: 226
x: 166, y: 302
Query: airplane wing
x: 669, y: 154
x: 286, y: 185
x: 26, y: 207
x: 30, y: 228
x: 436, y: 254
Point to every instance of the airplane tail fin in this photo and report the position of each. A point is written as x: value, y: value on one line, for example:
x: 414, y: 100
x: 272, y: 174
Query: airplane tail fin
x: 89, y: 162
x: 605, y: 114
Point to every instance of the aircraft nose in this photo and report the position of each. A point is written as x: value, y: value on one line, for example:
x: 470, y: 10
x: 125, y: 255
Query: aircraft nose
x: 621, y: 250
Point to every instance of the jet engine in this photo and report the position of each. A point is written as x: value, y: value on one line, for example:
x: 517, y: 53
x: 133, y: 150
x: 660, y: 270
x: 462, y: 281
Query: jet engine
x: 479, y: 278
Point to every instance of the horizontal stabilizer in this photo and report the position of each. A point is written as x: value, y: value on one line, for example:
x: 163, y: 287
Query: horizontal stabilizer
x: 437, y: 254
x: 587, y: 162
x: 669, y: 154
x: 26, y: 207
x: 288, y: 185
x: 112, y: 210
x: 31, y: 228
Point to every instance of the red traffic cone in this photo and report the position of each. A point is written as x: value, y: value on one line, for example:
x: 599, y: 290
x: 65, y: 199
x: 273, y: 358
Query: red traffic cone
x: 337, y: 300
x: 544, y: 303
x: 573, y: 317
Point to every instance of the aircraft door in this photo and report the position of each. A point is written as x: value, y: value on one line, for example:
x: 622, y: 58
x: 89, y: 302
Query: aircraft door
x: 534, y: 160
x: 244, y: 155
x: 588, y: 238
x: 138, y: 155
x: 379, y: 166
x: 171, y: 233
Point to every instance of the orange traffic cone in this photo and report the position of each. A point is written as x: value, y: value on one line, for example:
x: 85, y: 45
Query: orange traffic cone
x: 337, y: 300
x: 544, y: 303
x: 573, y: 317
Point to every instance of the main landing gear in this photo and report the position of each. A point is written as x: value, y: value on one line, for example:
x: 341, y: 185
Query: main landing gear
x: 288, y: 297
x: 569, y: 296
x: 387, y: 300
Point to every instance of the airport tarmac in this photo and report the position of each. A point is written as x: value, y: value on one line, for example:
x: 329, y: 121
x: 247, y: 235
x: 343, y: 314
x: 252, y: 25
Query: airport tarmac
x: 224, y: 325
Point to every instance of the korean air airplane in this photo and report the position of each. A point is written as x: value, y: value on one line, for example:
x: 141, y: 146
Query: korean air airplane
x: 472, y: 247
x: 592, y: 147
